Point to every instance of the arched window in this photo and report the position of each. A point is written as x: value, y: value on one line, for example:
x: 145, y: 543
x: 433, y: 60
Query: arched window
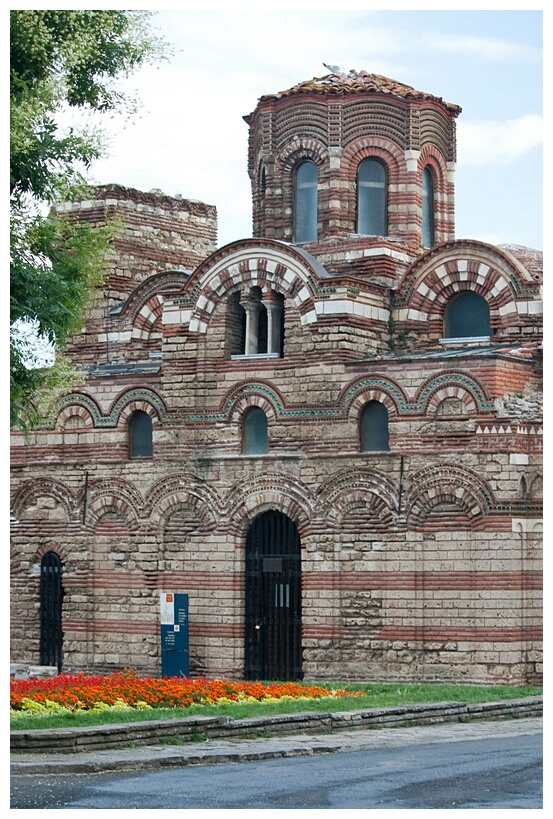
x: 374, y: 428
x: 235, y: 327
x: 467, y: 316
x: 427, y: 208
x: 140, y: 435
x: 372, y: 198
x: 255, y: 440
x: 255, y: 326
x: 305, y: 205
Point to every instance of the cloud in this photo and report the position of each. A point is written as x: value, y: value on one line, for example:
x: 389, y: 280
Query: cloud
x: 492, y: 142
x: 484, y: 48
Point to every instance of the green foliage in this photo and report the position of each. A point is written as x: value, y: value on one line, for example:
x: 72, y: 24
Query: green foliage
x: 393, y: 338
x: 59, y: 60
x: 378, y: 695
x: 54, y: 266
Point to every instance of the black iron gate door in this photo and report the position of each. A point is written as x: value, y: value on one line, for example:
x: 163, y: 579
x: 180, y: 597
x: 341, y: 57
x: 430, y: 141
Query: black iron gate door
x: 51, y: 598
x: 273, y: 599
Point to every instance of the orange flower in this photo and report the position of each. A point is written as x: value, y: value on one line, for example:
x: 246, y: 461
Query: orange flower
x: 83, y: 691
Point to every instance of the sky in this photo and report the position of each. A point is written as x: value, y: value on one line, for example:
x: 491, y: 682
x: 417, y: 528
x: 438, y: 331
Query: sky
x: 189, y: 137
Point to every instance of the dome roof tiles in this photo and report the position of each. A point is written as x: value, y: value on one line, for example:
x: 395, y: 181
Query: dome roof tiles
x: 358, y: 82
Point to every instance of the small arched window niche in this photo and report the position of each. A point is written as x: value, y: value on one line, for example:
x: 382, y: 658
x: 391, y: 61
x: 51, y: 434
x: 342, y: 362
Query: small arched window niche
x: 255, y: 435
x: 467, y: 317
x: 140, y: 435
x: 427, y: 237
x: 373, y: 428
x: 372, y: 198
x: 255, y: 324
x: 305, y: 202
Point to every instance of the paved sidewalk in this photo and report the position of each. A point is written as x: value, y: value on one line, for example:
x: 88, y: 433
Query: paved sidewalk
x: 212, y: 752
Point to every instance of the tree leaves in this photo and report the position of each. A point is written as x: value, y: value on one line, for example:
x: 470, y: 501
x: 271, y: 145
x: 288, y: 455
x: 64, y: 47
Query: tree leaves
x: 60, y: 59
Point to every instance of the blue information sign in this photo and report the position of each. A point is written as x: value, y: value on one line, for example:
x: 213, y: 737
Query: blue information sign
x: 174, y: 635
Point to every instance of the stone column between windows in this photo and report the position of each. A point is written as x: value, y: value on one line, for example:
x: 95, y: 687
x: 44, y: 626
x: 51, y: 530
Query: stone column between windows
x: 274, y: 313
x: 252, y: 309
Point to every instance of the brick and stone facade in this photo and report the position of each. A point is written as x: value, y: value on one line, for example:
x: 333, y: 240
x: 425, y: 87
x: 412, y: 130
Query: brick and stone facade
x: 420, y: 560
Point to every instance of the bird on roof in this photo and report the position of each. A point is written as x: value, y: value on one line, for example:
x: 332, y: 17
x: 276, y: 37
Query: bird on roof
x: 336, y: 69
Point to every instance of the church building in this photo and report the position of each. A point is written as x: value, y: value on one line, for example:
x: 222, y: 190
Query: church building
x: 328, y: 436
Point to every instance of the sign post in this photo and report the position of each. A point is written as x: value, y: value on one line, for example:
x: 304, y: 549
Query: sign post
x: 174, y: 635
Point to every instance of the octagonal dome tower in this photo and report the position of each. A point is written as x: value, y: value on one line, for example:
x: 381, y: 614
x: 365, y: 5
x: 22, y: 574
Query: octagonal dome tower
x: 353, y: 154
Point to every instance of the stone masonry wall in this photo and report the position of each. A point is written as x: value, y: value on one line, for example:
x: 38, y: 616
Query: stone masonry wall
x: 414, y: 566
x: 421, y: 562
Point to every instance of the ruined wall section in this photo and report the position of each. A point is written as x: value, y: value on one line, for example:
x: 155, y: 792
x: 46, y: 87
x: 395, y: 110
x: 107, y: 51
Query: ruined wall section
x: 157, y: 233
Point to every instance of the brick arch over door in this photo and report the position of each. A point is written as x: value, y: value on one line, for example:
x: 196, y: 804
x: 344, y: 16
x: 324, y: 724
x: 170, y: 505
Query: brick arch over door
x: 277, y: 492
x: 50, y: 546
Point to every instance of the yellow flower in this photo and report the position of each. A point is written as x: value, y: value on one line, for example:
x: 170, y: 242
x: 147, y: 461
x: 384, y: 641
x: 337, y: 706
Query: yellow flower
x: 31, y: 705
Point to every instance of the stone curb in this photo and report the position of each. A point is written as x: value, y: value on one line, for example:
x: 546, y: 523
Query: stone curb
x: 191, y: 729
x: 158, y: 757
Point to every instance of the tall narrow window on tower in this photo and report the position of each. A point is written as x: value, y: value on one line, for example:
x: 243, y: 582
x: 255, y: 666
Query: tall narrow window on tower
x: 305, y: 205
x: 372, y: 198
x: 427, y: 208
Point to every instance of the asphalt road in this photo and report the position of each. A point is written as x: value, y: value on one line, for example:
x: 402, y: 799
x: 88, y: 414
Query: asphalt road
x: 497, y: 772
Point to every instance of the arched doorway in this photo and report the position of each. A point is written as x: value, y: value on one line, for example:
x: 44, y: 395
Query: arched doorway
x: 51, y: 598
x: 273, y: 599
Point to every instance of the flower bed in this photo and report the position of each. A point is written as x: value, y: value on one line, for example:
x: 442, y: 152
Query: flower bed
x: 78, y: 692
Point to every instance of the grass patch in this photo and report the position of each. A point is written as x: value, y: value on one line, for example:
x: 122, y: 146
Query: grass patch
x: 377, y: 695
x: 173, y: 741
